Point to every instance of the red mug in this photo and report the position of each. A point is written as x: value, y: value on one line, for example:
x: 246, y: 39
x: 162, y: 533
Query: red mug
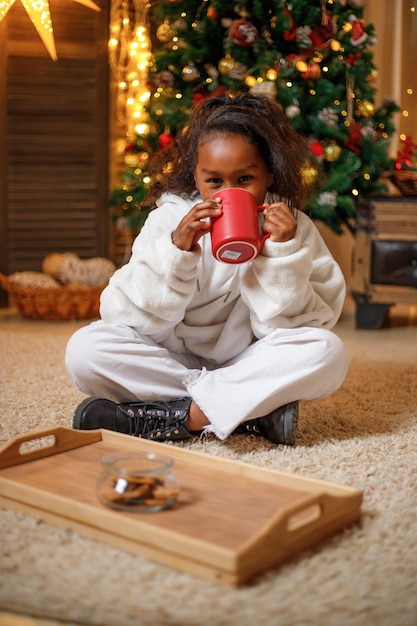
x: 235, y: 236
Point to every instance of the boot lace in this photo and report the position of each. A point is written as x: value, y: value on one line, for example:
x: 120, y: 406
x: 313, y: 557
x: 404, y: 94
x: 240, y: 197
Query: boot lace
x: 153, y: 420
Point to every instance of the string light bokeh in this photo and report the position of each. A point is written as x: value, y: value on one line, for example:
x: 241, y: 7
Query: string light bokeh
x: 408, y: 93
x: 130, y: 58
x: 395, y: 51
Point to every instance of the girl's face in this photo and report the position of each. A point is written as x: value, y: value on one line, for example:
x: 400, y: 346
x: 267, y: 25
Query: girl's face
x: 230, y: 160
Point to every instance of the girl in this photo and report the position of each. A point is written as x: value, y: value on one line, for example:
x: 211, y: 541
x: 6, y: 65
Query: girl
x: 187, y: 343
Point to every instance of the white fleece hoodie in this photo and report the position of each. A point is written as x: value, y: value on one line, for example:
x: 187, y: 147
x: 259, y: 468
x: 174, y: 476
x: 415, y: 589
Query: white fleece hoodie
x: 190, y: 302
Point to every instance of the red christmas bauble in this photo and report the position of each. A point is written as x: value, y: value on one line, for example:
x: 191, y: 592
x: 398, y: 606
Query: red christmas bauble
x: 212, y: 13
x: 130, y: 147
x: 243, y: 33
x: 313, y: 71
x: 316, y: 148
x: 165, y: 140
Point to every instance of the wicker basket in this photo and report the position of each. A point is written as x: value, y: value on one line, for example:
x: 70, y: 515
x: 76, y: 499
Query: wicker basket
x: 405, y: 181
x: 71, y: 302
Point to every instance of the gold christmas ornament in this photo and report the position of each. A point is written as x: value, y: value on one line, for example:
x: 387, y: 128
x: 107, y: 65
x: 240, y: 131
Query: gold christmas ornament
x: 309, y: 175
x: 332, y: 152
x: 164, y: 32
x: 226, y: 64
x: 372, y: 76
x: 364, y: 108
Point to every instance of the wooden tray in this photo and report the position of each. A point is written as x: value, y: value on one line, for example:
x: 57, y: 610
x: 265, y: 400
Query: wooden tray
x: 232, y: 520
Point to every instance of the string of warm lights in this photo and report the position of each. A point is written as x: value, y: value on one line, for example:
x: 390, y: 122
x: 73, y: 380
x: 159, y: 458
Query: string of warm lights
x: 40, y: 16
x: 129, y: 58
x: 408, y: 95
x: 396, y: 22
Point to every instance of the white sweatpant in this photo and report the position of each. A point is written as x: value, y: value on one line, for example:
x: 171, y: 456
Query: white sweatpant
x: 116, y: 362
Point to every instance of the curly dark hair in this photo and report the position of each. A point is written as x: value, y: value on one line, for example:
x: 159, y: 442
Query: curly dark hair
x: 261, y: 121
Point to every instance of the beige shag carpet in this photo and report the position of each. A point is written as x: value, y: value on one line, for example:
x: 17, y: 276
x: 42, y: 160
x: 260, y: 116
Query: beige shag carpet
x: 364, y: 436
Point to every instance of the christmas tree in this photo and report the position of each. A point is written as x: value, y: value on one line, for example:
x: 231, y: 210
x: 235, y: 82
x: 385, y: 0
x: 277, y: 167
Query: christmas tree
x: 314, y: 57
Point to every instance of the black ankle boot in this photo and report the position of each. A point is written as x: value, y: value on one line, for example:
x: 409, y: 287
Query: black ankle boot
x: 161, y: 421
x: 279, y: 426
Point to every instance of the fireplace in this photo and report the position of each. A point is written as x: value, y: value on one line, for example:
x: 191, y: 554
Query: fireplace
x: 385, y: 263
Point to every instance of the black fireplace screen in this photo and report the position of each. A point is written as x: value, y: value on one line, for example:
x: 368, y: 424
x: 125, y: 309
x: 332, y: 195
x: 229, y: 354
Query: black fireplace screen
x: 394, y: 263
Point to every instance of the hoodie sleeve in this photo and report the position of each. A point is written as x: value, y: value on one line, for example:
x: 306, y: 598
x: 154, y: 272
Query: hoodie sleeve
x: 294, y: 283
x: 154, y: 288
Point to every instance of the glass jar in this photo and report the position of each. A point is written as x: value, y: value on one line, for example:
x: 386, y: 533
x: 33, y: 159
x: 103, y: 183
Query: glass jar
x: 137, y: 481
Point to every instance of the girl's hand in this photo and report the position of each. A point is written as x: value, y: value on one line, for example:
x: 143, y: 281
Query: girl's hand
x: 280, y: 223
x: 195, y: 224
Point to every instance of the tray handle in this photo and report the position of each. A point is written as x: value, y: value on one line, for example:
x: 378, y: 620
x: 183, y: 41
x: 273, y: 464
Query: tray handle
x: 313, y: 515
x: 319, y: 511
x: 44, y: 442
x: 305, y: 513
